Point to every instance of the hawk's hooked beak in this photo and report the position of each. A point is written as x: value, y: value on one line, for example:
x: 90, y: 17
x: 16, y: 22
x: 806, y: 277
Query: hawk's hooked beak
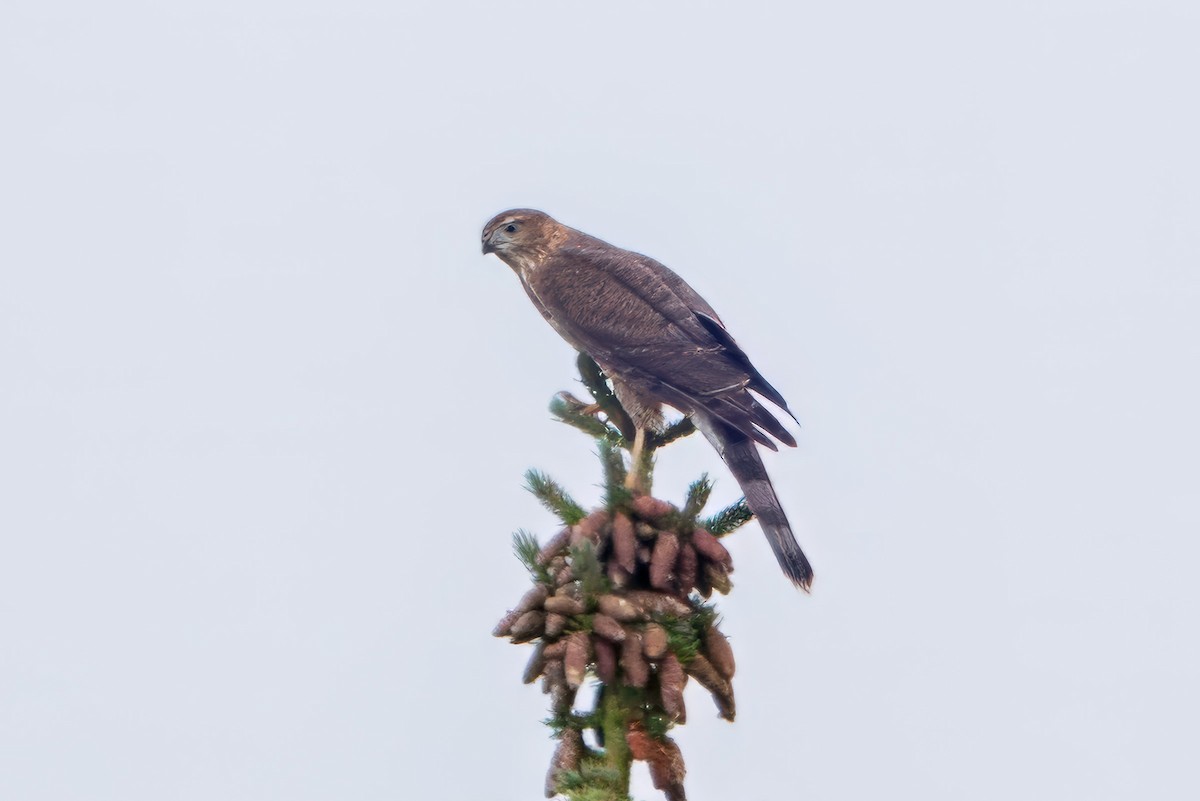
x: 489, y: 246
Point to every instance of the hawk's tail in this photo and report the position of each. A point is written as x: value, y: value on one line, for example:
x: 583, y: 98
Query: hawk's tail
x: 741, y: 456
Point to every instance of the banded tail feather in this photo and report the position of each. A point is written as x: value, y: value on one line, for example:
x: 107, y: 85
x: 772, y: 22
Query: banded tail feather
x: 741, y: 456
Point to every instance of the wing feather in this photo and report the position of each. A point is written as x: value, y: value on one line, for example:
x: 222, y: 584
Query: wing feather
x: 669, y: 343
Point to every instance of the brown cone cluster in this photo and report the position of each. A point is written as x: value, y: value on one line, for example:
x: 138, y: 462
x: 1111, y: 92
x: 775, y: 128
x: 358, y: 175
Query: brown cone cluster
x: 622, y: 635
x: 643, y: 547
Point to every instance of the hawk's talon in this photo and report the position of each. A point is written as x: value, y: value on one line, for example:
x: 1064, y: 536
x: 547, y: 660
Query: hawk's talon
x: 579, y: 407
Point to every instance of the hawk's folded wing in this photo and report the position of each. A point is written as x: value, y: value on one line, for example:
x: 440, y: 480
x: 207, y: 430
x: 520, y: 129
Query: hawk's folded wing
x: 645, y: 325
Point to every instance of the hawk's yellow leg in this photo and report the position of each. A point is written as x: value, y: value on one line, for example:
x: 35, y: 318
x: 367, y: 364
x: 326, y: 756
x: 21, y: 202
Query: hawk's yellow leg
x: 633, y: 479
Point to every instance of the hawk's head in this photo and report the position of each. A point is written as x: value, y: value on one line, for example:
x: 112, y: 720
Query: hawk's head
x: 518, y: 234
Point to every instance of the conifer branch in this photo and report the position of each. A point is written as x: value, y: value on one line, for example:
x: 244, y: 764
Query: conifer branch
x: 614, y: 715
x: 697, y: 496
x: 686, y: 634
x: 616, y: 495
x: 587, y: 570
x: 729, y: 519
x: 572, y: 411
x: 527, y: 550
x: 676, y: 430
x: 554, y: 497
x: 597, y: 384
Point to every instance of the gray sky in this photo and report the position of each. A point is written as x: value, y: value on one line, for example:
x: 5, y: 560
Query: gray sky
x: 265, y: 408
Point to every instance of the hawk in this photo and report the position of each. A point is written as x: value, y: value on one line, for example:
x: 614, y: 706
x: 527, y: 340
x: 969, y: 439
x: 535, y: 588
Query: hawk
x: 660, y: 343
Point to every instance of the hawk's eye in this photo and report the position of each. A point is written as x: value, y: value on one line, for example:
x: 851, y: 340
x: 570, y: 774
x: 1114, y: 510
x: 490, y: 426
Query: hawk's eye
x: 510, y: 228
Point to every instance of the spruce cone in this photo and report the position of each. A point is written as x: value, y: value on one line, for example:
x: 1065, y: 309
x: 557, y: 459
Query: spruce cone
x: 556, y: 624
x: 711, y: 548
x: 564, y: 605
x: 537, y: 661
x: 608, y: 628
x: 556, y: 545
x: 670, y: 681
x: 592, y: 526
x: 662, y: 563
x: 637, y: 670
x: 618, y: 576
x: 651, y: 509
x: 687, y: 567
x: 576, y: 660
x: 654, y: 642
x: 618, y: 608
x: 719, y: 652
x: 529, y: 625
x: 656, y: 603
x: 533, y: 599
x: 553, y: 675
x: 703, y: 585
x: 562, y: 697
x: 662, y: 756
x: 667, y: 771
x: 567, y: 756
x: 504, y: 627
x: 606, y: 659
x: 624, y: 543
x: 641, y: 744
x: 722, y: 691
x: 718, y: 577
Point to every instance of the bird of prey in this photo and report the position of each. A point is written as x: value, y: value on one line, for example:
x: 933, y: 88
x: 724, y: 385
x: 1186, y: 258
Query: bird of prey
x: 660, y: 343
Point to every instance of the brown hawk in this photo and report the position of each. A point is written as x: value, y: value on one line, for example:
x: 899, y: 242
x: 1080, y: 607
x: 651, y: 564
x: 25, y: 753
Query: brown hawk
x: 659, y: 342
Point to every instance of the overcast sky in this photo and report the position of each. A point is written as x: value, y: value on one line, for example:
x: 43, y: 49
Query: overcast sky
x: 265, y: 408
